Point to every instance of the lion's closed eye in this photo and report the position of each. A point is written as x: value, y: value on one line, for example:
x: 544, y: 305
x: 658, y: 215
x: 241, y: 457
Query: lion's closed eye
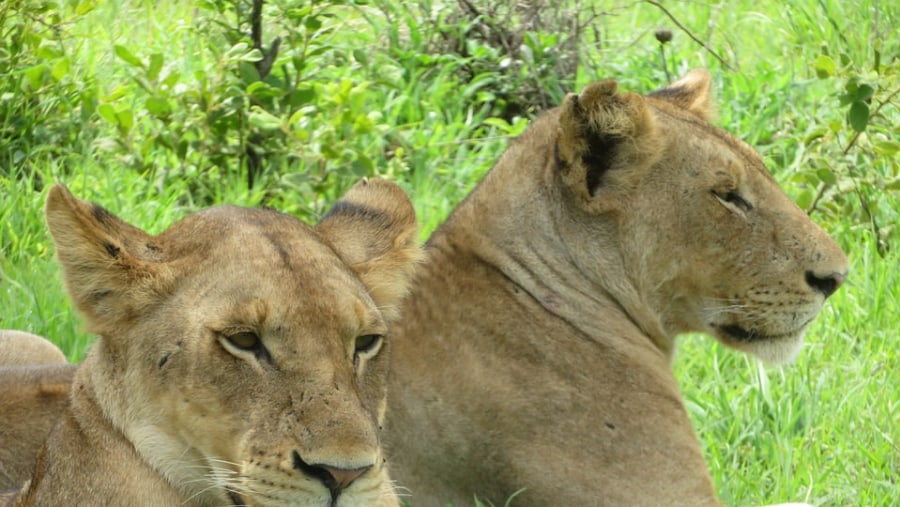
x: 732, y: 198
x: 242, y: 342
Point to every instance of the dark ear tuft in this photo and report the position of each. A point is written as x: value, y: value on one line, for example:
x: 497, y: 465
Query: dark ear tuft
x: 602, y: 131
x: 373, y: 228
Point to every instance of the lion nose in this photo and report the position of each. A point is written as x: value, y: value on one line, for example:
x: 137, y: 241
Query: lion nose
x: 334, y: 478
x: 825, y: 284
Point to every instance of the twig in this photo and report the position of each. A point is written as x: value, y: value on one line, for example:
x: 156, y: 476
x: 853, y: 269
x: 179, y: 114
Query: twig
x: 688, y: 32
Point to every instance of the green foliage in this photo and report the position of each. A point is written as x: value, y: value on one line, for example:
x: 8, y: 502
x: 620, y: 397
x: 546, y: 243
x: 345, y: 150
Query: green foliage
x: 510, y: 60
x: 45, y: 105
x: 854, y: 160
x: 287, y: 114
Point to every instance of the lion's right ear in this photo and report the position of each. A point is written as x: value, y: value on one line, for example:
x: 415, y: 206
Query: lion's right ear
x: 603, y: 137
x: 373, y: 228
x: 103, y: 259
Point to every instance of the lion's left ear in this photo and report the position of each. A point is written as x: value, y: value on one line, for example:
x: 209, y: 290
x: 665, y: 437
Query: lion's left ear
x: 693, y: 92
x: 373, y: 229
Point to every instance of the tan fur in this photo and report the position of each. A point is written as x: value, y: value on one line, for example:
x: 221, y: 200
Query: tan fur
x: 534, y: 351
x: 35, y: 380
x: 169, y: 409
x: 33, y: 397
x: 21, y: 348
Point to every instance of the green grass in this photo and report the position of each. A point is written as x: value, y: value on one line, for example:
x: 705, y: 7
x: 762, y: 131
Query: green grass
x: 822, y: 430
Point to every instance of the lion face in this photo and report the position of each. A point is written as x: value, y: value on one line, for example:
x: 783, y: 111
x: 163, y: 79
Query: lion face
x: 732, y: 256
x: 707, y: 236
x: 242, y: 352
x: 291, y: 374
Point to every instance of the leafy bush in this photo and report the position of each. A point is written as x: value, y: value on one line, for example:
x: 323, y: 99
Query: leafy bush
x: 853, y: 160
x: 512, y: 59
x: 45, y: 106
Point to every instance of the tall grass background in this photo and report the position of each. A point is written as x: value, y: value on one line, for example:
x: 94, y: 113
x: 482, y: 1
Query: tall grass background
x: 377, y: 99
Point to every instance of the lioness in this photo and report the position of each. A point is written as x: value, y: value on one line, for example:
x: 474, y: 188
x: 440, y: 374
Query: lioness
x: 535, y: 347
x: 34, y: 378
x: 32, y: 398
x: 21, y: 348
x: 241, y: 358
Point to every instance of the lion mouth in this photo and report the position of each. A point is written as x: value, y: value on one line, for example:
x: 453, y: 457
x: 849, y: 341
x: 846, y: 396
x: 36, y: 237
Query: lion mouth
x: 742, y: 334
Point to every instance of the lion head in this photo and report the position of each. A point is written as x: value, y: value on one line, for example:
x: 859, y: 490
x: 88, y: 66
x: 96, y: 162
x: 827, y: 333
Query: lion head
x: 708, y: 241
x: 241, y: 352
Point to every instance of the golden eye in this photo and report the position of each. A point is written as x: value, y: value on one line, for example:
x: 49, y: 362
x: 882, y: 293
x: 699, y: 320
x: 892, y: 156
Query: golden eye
x: 244, y: 340
x: 366, y: 343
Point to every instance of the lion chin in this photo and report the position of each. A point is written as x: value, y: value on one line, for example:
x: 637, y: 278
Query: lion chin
x: 771, y: 348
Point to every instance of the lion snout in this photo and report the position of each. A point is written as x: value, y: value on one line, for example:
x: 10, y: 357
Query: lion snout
x: 335, y: 478
x: 825, y: 284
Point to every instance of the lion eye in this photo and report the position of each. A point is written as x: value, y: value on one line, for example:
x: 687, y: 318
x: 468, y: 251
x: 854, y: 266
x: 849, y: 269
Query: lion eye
x: 735, y: 199
x: 366, y: 343
x: 244, y: 340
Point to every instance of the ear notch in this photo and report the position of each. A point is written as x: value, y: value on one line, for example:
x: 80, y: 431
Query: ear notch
x: 692, y: 92
x: 373, y: 228
x: 600, y: 132
x: 101, y: 260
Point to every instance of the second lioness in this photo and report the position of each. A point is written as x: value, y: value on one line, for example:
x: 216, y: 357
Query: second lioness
x: 535, y: 349
x: 241, y: 357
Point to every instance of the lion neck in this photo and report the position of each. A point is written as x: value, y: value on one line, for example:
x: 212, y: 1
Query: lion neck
x: 569, y: 266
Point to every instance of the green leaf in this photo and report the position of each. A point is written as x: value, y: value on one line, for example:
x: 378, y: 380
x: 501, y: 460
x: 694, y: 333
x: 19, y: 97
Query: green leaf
x: 126, y: 120
x: 846, y: 61
x: 108, y: 113
x: 158, y: 106
x: 60, y: 68
x: 85, y: 7
x: 264, y: 120
x: 254, y: 55
x: 237, y: 50
x: 127, y: 56
x: 886, y: 148
x: 846, y: 98
x: 361, y: 56
x: 248, y: 72
x: 261, y: 91
x: 816, y: 134
x: 864, y: 92
x: 301, y: 96
x: 312, y: 23
x: 859, y: 116
x: 156, y: 63
x: 826, y: 176
x: 824, y: 67
x: 35, y: 76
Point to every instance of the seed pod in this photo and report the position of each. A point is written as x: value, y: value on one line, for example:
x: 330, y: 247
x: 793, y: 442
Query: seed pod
x: 663, y: 35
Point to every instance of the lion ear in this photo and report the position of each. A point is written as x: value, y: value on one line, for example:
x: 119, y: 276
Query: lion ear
x: 101, y: 260
x: 373, y: 229
x: 600, y: 132
x: 693, y: 92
